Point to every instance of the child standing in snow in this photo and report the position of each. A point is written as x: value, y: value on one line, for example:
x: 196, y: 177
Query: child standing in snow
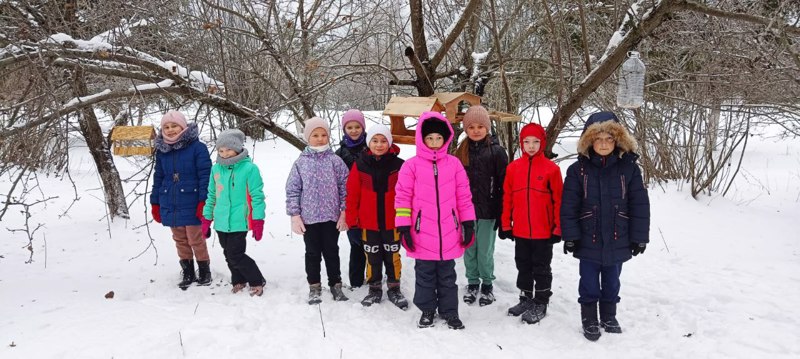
x: 236, y: 204
x: 315, y: 200
x: 370, y: 207
x: 432, y: 195
x: 531, y: 205
x: 605, y: 217
x: 178, y: 195
x: 485, y: 162
x: 350, y: 149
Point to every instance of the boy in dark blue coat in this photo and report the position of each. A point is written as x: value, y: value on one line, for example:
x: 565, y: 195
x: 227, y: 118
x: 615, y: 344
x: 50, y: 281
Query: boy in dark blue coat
x: 605, y: 217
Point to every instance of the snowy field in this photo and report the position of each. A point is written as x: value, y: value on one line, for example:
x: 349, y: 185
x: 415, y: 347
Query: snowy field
x: 717, y: 281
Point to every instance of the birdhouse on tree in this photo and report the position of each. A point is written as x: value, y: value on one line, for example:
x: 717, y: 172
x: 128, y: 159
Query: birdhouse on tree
x: 133, y: 140
x: 453, y: 104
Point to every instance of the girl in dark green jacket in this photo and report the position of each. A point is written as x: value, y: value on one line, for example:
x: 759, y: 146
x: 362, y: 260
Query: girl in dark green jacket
x: 236, y: 205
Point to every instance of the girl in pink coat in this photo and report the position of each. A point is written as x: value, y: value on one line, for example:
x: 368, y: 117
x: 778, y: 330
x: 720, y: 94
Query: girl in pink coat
x: 435, y: 219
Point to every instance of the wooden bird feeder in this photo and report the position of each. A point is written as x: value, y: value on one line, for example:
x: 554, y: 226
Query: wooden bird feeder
x: 133, y: 140
x: 453, y: 104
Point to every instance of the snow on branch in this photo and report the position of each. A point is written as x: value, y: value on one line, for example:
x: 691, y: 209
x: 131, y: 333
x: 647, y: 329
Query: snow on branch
x: 629, y: 22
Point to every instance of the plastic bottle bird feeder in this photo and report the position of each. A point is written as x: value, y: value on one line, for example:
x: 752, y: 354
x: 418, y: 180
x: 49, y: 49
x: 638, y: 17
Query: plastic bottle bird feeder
x: 133, y: 140
x: 630, y: 92
x: 453, y: 104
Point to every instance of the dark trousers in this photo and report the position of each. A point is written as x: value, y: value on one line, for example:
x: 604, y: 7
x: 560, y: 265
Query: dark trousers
x: 383, y: 250
x: 599, y: 283
x: 533, y: 258
x: 322, y: 242
x: 243, y: 268
x: 436, y: 287
x: 357, y: 258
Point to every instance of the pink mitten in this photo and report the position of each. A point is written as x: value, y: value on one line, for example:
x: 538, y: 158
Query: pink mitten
x: 258, y: 229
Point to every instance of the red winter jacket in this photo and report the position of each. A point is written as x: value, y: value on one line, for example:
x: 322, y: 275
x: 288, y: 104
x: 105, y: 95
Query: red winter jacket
x: 532, y: 192
x: 370, y: 191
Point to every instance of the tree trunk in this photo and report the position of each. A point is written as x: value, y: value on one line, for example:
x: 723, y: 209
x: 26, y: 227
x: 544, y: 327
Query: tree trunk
x: 93, y: 134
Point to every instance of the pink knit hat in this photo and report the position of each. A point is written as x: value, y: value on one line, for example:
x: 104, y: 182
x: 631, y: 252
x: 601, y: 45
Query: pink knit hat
x: 174, y: 117
x: 477, y: 115
x: 353, y: 115
x: 312, y: 123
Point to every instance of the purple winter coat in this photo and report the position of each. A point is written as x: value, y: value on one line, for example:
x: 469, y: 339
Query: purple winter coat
x: 317, y: 187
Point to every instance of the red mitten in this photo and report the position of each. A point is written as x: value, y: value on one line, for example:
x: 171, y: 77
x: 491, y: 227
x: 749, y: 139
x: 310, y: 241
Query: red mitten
x: 258, y: 229
x: 205, y: 226
x: 199, y: 212
x: 155, y: 210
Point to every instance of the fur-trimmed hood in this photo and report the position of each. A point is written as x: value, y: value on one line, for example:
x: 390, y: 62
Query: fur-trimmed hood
x: 605, y: 122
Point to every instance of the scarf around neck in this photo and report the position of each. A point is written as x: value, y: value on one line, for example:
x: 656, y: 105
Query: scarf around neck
x: 232, y: 160
x: 189, y: 134
x: 349, y: 142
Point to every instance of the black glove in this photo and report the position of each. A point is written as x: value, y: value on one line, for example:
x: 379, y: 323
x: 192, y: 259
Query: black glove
x: 469, y: 233
x: 554, y: 239
x: 638, y: 248
x: 505, y: 234
x: 405, y: 237
x: 497, y: 224
x: 570, y: 246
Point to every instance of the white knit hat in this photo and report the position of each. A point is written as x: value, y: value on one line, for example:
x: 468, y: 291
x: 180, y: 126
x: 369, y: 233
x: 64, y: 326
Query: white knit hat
x: 379, y: 129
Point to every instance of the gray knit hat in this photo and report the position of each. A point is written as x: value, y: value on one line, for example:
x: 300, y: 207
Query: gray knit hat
x: 231, y: 139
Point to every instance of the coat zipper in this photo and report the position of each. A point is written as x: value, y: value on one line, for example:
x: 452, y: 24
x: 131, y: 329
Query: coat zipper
x: 438, y: 208
x: 528, y: 197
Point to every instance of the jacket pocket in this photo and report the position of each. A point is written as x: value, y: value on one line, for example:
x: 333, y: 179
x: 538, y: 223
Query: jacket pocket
x: 419, y: 220
x: 588, y: 225
x: 621, y: 225
x: 455, y: 219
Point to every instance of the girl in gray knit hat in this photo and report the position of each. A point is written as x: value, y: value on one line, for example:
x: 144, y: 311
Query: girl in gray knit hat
x: 236, y: 205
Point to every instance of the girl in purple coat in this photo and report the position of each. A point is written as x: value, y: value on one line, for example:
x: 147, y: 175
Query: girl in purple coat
x: 433, y: 196
x: 315, y: 199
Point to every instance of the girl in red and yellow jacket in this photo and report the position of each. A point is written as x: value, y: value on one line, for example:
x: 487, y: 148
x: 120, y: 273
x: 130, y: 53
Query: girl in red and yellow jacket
x: 370, y: 208
x: 531, y: 210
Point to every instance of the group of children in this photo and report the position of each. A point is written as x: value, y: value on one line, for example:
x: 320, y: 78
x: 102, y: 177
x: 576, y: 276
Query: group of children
x: 439, y: 207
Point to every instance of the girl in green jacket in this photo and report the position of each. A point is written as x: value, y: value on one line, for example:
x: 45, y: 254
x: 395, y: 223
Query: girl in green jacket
x: 236, y: 204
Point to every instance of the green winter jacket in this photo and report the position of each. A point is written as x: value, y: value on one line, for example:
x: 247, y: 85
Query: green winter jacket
x: 235, y: 196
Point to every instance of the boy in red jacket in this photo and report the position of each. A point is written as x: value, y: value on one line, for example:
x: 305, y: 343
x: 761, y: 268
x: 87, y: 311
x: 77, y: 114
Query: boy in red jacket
x: 370, y: 207
x: 531, y: 211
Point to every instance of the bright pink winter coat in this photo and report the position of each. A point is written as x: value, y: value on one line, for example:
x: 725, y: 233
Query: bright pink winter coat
x: 433, y: 197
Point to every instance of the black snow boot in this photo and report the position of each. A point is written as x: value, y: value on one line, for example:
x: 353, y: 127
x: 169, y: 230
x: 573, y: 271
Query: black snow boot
x: 471, y: 294
x: 374, y: 296
x: 397, y: 297
x: 187, y: 268
x: 454, y: 322
x: 204, y: 273
x: 426, y: 320
x: 525, y: 303
x: 535, y: 314
x: 338, y: 294
x: 487, y: 297
x: 314, y: 294
x: 608, y: 318
x: 591, y: 328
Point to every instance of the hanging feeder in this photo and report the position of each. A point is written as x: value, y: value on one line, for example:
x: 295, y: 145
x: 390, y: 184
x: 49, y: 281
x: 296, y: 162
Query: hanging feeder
x: 630, y: 92
x: 453, y: 104
x: 133, y: 140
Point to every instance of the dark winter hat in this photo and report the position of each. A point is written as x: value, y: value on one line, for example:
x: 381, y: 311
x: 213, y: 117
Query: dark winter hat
x: 435, y: 124
x: 598, y: 117
x: 231, y: 139
x: 477, y: 115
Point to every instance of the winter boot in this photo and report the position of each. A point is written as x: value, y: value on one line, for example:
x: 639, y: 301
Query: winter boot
x: 472, y: 293
x: 338, y: 295
x: 397, y: 297
x: 591, y: 328
x: 487, y: 297
x: 608, y: 318
x: 187, y: 267
x: 525, y: 303
x: 374, y: 296
x: 204, y: 271
x: 314, y: 294
x: 454, y: 323
x: 426, y: 320
x: 535, y: 314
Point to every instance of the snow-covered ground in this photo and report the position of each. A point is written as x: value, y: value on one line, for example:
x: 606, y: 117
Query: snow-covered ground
x: 717, y: 281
